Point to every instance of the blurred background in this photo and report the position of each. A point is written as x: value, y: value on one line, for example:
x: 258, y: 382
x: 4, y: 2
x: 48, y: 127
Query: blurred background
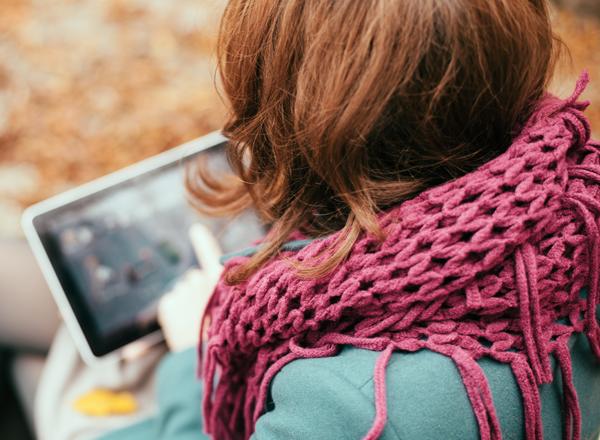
x: 89, y: 86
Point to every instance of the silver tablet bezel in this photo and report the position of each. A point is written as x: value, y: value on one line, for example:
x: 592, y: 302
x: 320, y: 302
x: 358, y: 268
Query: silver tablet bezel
x: 31, y: 213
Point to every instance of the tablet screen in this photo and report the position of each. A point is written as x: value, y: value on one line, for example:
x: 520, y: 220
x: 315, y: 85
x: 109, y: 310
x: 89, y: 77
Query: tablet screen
x: 117, y: 251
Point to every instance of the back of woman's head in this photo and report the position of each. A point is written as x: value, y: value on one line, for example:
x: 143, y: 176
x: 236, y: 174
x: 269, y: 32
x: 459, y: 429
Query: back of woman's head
x: 340, y: 109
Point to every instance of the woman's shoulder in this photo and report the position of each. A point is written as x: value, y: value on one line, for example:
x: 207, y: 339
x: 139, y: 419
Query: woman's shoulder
x: 334, y: 397
x: 425, y: 397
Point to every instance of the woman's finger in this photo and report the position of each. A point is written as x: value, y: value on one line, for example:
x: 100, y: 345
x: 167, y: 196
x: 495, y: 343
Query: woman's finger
x: 207, y: 249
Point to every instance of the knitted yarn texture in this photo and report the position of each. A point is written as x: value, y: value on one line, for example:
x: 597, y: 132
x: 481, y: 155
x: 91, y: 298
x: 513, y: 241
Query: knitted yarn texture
x: 490, y: 264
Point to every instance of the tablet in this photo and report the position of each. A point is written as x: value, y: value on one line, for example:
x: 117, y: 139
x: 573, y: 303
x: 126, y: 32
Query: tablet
x: 111, y: 248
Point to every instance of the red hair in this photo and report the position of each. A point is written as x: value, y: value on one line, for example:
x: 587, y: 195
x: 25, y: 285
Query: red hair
x: 340, y: 109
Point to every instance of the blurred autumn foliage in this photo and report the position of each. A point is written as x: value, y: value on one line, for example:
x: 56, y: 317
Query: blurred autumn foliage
x: 89, y: 86
x: 580, y: 34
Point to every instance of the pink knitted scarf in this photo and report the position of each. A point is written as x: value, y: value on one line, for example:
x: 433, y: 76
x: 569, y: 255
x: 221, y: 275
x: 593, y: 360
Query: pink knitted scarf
x: 490, y: 264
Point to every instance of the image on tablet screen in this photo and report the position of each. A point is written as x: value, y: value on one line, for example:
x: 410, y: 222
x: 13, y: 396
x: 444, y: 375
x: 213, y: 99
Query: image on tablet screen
x: 124, y: 247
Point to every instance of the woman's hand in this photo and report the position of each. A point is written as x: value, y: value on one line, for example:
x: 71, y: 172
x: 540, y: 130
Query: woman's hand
x: 180, y: 310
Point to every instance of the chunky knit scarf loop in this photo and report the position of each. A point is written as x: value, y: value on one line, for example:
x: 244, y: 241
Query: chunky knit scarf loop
x: 491, y: 264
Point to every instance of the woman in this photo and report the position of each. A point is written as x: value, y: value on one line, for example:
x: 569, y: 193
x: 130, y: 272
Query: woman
x: 431, y: 269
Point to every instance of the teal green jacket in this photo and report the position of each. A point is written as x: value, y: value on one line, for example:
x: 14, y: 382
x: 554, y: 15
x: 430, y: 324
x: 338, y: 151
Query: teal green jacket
x: 332, y: 398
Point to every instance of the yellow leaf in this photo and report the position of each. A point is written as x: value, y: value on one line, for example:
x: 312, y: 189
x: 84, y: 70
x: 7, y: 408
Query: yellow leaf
x: 103, y: 402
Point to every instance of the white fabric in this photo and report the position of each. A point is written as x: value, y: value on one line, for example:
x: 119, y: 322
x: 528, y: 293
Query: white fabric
x: 26, y: 370
x: 66, y: 378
